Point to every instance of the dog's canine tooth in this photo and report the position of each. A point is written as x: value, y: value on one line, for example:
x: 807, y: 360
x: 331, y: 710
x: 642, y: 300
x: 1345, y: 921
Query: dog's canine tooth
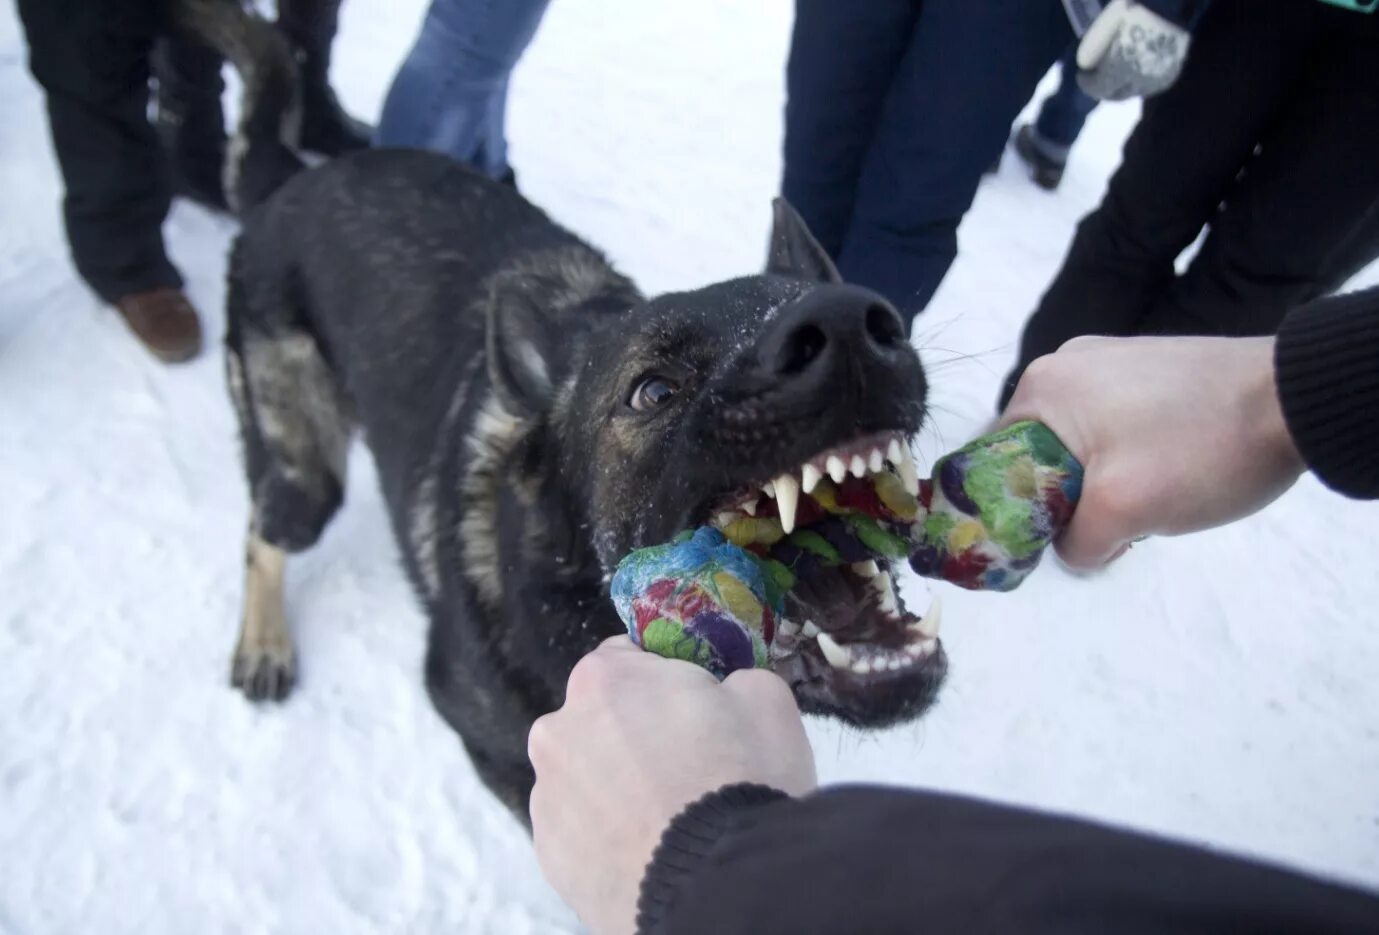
x: 859, y: 466
x: 909, y: 474
x: 887, y: 591
x: 838, y: 656
x: 877, y: 462
x: 810, y: 477
x: 928, y: 625
x: 893, y: 452
x: 836, y: 468
x: 867, y: 569
x: 787, y: 500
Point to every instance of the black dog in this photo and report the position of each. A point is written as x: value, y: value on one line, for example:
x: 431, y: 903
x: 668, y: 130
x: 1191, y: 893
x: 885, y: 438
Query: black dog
x: 534, y: 418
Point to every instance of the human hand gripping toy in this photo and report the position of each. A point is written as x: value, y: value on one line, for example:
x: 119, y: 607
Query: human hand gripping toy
x: 718, y: 595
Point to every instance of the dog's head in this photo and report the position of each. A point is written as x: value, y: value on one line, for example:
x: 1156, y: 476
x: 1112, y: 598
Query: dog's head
x: 698, y: 407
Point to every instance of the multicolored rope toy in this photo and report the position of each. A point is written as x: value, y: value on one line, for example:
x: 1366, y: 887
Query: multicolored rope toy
x: 982, y: 522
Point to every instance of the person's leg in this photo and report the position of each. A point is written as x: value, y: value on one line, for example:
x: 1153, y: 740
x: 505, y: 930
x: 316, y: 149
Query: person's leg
x: 968, y: 70
x: 92, y: 60
x: 310, y: 26
x: 92, y: 63
x: 1302, y: 215
x: 454, y: 80
x: 1065, y: 111
x: 189, y: 116
x: 843, y: 59
x: 1178, y: 165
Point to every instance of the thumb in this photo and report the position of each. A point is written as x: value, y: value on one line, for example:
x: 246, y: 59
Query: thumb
x: 1094, y: 45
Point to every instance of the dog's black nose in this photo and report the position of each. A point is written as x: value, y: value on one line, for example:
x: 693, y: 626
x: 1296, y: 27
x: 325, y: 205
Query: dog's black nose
x: 827, y: 326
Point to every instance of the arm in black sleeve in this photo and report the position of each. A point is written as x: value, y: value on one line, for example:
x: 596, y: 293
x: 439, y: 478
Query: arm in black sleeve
x: 1326, y: 364
x: 870, y: 860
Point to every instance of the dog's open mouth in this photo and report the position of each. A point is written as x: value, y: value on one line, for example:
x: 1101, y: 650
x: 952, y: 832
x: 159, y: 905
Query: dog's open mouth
x: 847, y: 644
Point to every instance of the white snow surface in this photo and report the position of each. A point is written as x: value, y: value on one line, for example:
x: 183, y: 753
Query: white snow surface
x: 1222, y: 688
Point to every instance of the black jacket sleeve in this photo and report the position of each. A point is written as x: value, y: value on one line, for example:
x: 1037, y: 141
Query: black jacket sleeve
x: 1184, y: 13
x: 871, y: 860
x: 1326, y: 364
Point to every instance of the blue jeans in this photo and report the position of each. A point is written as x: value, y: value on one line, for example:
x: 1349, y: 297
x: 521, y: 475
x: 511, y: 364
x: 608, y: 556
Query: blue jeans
x: 450, y: 95
x: 894, y: 110
x: 1065, y: 111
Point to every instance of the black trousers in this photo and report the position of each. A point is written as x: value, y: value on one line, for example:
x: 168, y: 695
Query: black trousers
x: 1270, y: 139
x: 94, y: 59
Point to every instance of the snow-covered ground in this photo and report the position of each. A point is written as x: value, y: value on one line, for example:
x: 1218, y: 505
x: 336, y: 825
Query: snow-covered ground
x: 1221, y: 688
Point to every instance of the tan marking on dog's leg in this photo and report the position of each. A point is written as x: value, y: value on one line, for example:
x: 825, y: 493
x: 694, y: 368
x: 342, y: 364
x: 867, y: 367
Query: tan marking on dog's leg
x: 265, y: 661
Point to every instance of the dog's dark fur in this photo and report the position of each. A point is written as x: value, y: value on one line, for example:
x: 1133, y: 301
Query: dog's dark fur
x: 491, y: 360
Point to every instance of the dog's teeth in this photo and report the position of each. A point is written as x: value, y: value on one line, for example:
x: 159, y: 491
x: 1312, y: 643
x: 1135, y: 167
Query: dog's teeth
x: 811, y: 629
x: 787, y: 500
x: 837, y: 656
x: 895, y: 662
x: 928, y: 647
x: 867, y: 569
x: 893, y: 451
x: 810, y: 477
x: 877, y: 462
x: 750, y: 507
x: 788, y: 628
x: 862, y: 666
x: 769, y: 489
x: 928, y: 626
x: 725, y: 519
x: 859, y: 466
x: 909, y: 475
x: 836, y: 468
x: 887, y: 591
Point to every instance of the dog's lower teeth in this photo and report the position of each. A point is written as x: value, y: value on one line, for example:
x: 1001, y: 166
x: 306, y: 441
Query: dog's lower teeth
x: 862, y: 666
x: 929, y: 624
x: 837, y: 656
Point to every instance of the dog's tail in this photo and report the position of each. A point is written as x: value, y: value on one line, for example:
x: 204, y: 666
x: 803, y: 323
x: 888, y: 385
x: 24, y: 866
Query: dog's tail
x: 261, y: 155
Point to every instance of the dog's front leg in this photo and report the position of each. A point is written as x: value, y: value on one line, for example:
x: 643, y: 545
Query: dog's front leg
x: 265, y: 661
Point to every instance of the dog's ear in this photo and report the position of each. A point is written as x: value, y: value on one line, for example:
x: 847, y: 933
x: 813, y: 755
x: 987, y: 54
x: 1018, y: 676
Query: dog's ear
x: 521, y: 351
x: 794, y: 251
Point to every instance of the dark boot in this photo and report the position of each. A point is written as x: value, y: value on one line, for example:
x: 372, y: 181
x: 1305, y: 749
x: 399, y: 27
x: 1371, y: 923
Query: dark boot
x: 164, y: 322
x: 189, y: 119
x: 1046, y: 161
x: 310, y: 27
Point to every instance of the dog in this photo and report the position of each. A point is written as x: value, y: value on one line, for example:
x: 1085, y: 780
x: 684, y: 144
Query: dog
x: 534, y: 418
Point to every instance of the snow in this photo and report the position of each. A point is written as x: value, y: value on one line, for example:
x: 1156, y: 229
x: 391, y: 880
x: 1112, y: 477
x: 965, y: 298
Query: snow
x: 1219, y: 688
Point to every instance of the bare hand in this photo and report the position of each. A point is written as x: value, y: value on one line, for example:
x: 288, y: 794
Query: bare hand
x: 639, y: 738
x: 1176, y: 435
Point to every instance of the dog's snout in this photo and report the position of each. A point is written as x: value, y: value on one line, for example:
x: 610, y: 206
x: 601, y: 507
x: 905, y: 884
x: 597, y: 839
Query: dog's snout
x: 829, y: 324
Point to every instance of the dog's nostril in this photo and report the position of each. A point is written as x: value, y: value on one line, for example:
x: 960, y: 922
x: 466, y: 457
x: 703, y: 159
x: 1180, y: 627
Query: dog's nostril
x: 884, y: 325
x: 801, y: 348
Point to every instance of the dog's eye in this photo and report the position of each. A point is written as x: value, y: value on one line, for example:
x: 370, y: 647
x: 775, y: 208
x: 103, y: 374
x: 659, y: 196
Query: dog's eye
x: 652, y: 392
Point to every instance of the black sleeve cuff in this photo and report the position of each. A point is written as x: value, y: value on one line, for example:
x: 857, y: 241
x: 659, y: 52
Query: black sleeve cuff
x: 687, y: 842
x: 1326, y: 362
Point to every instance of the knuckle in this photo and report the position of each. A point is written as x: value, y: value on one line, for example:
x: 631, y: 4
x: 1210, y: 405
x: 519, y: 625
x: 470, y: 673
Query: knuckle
x: 540, y: 739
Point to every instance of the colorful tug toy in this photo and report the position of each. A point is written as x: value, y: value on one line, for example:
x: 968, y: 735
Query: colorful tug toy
x: 713, y: 596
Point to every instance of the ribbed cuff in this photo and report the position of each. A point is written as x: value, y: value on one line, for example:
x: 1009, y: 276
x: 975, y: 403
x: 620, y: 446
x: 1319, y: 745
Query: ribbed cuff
x: 1326, y: 363
x: 687, y: 842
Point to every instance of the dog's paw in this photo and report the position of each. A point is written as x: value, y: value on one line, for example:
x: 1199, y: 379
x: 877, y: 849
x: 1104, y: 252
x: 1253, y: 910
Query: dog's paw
x: 264, y: 672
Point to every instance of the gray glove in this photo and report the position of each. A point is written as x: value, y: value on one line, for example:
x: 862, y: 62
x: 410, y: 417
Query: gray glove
x: 1130, y: 51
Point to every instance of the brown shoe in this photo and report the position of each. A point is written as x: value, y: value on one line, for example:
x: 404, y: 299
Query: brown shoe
x: 165, y: 322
